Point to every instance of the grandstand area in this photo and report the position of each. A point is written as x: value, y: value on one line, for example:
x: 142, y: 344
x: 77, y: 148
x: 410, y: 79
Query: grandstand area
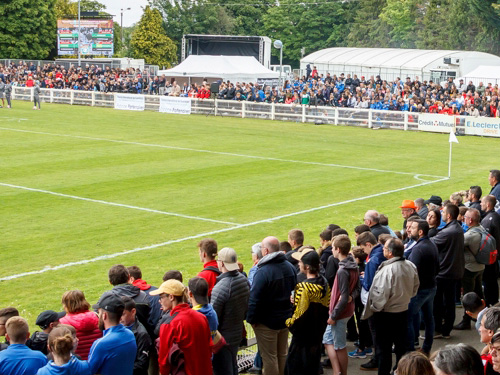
x: 83, y: 188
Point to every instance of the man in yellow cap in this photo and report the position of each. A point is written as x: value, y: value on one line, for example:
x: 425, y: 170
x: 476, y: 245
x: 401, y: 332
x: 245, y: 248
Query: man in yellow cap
x: 185, y: 331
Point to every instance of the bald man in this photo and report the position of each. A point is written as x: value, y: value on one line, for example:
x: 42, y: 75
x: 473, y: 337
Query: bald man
x: 270, y: 305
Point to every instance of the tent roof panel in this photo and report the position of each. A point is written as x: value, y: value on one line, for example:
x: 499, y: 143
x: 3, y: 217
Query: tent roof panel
x: 380, y: 57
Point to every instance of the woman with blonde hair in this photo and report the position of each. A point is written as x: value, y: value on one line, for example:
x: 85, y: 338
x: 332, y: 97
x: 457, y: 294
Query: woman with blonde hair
x: 64, y: 362
x: 86, y: 322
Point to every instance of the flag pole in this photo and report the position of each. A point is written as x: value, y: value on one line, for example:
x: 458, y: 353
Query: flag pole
x: 449, y: 161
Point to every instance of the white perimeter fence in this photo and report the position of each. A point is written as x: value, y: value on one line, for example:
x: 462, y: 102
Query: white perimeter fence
x: 464, y: 125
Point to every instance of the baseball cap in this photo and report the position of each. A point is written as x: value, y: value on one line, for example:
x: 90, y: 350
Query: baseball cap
x: 230, y: 259
x: 47, y: 317
x: 408, y: 203
x: 110, y: 302
x: 434, y: 199
x: 172, y: 286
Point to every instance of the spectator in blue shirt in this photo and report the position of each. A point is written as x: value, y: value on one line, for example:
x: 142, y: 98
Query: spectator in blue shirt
x: 115, y: 352
x: 18, y: 359
x: 61, y: 344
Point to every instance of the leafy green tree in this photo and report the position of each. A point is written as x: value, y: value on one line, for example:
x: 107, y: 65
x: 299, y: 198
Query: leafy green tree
x: 248, y: 19
x: 460, y: 24
x: 193, y: 17
x: 308, y: 25
x: 401, y: 16
x: 27, y: 29
x: 65, y: 8
x: 150, y: 42
x: 368, y: 29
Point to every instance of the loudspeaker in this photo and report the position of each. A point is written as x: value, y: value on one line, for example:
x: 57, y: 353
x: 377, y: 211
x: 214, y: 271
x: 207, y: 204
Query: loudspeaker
x: 214, y: 88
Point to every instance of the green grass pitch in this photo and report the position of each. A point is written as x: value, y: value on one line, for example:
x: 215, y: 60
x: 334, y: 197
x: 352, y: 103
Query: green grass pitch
x: 242, y: 179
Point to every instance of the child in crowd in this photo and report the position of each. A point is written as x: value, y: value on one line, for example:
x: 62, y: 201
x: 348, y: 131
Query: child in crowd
x: 61, y: 344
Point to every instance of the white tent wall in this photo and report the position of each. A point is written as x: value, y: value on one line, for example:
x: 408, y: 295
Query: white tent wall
x: 390, y: 63
x: 233, y: 68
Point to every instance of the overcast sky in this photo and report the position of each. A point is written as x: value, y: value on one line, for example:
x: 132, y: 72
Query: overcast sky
x: 129, y: 16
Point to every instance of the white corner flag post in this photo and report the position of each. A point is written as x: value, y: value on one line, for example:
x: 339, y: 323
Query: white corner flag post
x: 451, y: 140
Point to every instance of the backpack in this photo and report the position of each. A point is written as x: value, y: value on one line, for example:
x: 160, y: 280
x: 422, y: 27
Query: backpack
x: 487, y: 253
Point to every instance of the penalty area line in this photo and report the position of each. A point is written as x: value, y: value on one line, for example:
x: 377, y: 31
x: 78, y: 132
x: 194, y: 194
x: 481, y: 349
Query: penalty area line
x: 211, y: 233
x: 257, y: 157
x: 116, y: 204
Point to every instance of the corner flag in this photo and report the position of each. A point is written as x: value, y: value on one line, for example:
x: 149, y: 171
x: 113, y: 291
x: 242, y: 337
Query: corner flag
x: 453, y: 137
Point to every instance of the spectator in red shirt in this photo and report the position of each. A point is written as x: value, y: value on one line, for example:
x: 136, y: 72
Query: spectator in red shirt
x: 208, y: 251
x: 186, y: 331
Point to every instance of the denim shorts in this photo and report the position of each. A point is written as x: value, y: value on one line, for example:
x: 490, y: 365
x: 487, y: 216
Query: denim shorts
x: 336, y: 335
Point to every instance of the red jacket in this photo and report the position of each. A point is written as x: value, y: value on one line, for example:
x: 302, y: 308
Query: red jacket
x: 209, y: 275
x: 87, y: 330
x: 189, y: 330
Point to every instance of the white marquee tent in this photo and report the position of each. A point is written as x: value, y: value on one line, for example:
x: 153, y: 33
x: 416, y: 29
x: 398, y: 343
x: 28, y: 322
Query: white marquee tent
x: 390, y: 63
x: 483, y: 73
x: 233, y: 68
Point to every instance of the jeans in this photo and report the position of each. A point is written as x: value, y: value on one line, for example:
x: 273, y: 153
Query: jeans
x: 422, y: 302
x: 444, y: 306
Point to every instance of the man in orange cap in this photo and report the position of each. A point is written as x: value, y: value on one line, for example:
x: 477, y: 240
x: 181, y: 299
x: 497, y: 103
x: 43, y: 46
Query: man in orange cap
x: 408, y: 209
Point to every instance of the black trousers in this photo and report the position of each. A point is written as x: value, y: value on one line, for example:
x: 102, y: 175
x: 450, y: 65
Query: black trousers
x: 391, y: 329
x: 490, y: 283
x: 444, y: 306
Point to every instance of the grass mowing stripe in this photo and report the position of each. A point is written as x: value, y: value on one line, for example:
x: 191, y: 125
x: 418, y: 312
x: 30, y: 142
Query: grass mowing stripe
x: 239, y: 226
x: 116, y: 204
x: 219, y: 152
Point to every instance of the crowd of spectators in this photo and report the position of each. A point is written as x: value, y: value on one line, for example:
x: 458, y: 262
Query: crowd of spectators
x: 375, y: 293
x: 313, y: 89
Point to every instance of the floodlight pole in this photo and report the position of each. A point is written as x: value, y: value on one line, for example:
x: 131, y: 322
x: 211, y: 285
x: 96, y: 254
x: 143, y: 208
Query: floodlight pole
x: 79, y: 25
x: 281, y: 66
x: 121, y: 23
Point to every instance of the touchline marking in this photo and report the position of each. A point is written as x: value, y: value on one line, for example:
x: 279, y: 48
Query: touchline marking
x: 116, y: 204
x: 220, y: 152
x: 211, y: 233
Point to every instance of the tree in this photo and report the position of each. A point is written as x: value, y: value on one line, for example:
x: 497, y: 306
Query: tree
x: 150, y: 42
x: 27, y: 29
x: 193, y: 17
x: 368, y: 30
x: 67, y: 8
x: 305, y: 26
x: 461, y: 25
x: 401, y: 16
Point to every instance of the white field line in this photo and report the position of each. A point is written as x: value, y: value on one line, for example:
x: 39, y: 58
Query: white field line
x: 211, y: 233
x: 219, y: 152
x: 116, y: 204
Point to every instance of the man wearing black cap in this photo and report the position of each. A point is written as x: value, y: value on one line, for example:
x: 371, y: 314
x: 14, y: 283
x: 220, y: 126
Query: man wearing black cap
x: 115, y: 352
x: 434, y: 202
x: 47, y: 321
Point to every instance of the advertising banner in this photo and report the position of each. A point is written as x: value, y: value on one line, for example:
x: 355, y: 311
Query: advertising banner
x: 430, y: 122
x: 130, y: 102
x: 173, y: 104
x: 96, y: 37
x: 485, y: 126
